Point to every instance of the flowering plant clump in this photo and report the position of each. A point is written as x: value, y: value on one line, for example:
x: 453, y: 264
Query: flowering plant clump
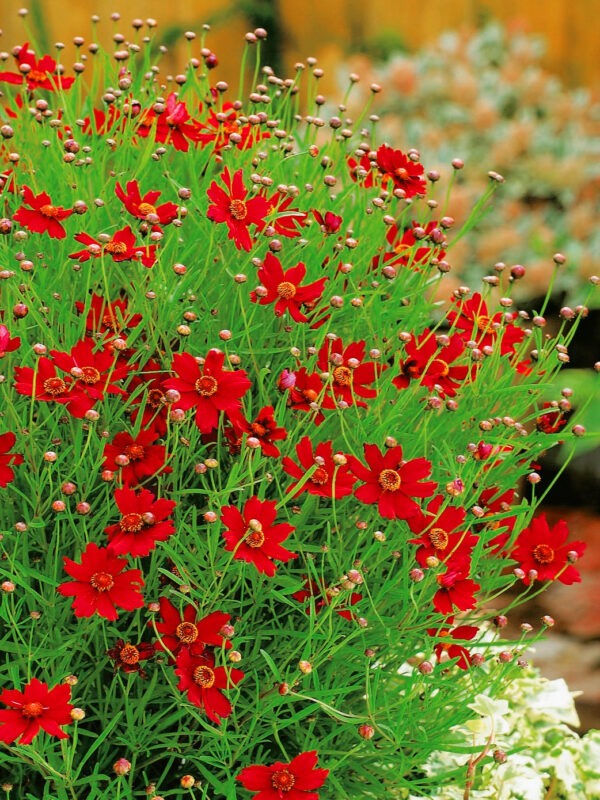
x: 262, y: 493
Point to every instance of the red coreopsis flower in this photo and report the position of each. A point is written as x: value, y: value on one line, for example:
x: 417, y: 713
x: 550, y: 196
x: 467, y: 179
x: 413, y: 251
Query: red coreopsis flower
x: 8, y: 344
x: 173, y: 126
x: 450, y: 647
x: 143, y: 523
x: 187, y: 632
x: 265, y: 429
x: 433, y: 365
x: 323, y: 596
x: 45, y: 384
x: 102, y: 584
x: 551, y: 421
x: 141, y: 207
x: 284, y: 289
x: 94, y: 368
x: 456, y: 589
x: 233, y: 208
x: 36, y: 73
x: 294, y: 781
x: 203, y: 683
x: 349, y: 375
x: 208, y: 387
x: 137, y: 458
x: 153, y: 403
x: 122, y: 247
x: 8, y: 459
x: 128, y: 657
x: 38, y: 215
x: 329, y: 479
x: 253, y: 537
x: 405, y: 173
x: 305, y: 389
x: 329, y: 222
x: 391, y: 482
x: 404, y: 246
x: 437, y: 534
x: 546, y: 550
x: 35, y: 708
x: 473, y: 321
x: 362, y: 171
x: 108, y: 317
x: 287, y: 221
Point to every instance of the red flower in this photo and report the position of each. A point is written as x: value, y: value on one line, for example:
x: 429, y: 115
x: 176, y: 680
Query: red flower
x: 127, y: 656
x: 404, y: 173
x: 551, y: 421
x: 322, y: 596
x: 137, y: 458
x: 546, y: 551
x: 432, y: 365
x: 41, y: 216
x: 152, y: 403
x: 349, y: 376
x: 455, y: 589
x: 187, y: 632
x: 35, y: 708
x: 173, y: 125
x: 202, y: 681
x: 37, y: 74
x: 45, y: 384
x: 473, y: 322
x: 107, y: 317
x: 7, y: 345
x: 391, y: 482
x: 122, y: 247
x: 327, y: 480
x: 283, y: 288
x: 7, y: 442
x: 451, y: 647
x: 404, y: 249
x: 253, y: 537
x: 265, y: 429
x: 141, y: 207
x: 438, y: 535
x: 95, y: 369
x: 209, y: 388
x: 493, y: 504
x: 362, y: 171
x: 143, y: 523
x: 101, y: 586
x: 330, y: 223
x: 288, y: 220
x: 293, y: 781
x: 305, y: 389
x: 233, y: 208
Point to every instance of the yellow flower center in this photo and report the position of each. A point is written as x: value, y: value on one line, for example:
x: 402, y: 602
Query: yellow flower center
x: 204, y: 677
x: 102, y: 581
x: 238, y: 209
x: 186, y: 632
x: 129, y: 654
x: 131, y: 523
x: 342, y: 376
x: 282, y: 780
x: 206, y: 386
x: 389, y: 480
x: 54, y: 386
x: 286, y: 290
x: 438, y: 538
x: 543, y: 554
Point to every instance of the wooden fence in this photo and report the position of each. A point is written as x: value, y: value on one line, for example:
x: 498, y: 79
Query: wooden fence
x: 315, y: 27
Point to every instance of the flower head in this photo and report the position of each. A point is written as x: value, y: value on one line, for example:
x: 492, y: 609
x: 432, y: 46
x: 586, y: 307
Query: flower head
x: 137, y: 458
x: 294, y: 781
x: 318, y: 472
x: 143, y: 523
x: 140, y: 207
x: 232, y: 206
x: 253, y: 537
x: 34, y: 709
x: 128, y: 657
x: 7, y: 442
x: 209, y: 388
x: 392, y: 482
x: 173, y: 125
x: 204, y: 682
x: 188, y: 631
x: 36, y: 73
x: 102, y: 584
x: 38, y: 215
x: 546, y: 550
x: 405, y: 174
x: 46, y: 384
x: 121, y: 247
x: 285, y: 290
x: 265, y: 429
